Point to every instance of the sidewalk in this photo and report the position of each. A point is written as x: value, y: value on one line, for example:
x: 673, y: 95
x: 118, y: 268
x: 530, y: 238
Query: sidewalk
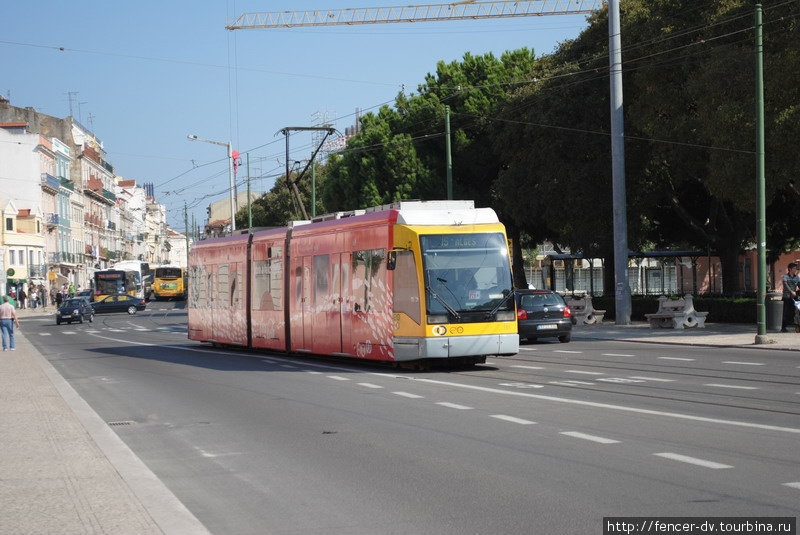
x: 63, y: 470
x: 714, y: 334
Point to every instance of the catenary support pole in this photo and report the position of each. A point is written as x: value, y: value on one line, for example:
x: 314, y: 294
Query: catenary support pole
x: 622, y: 294
x: 761, y: 214
x: 448, y: 154
x: 233, y: 188
x: 249, y: 205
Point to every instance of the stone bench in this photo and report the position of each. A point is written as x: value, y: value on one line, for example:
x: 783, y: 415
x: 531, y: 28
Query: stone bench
x: 677, y: 314
x: 584, y: 312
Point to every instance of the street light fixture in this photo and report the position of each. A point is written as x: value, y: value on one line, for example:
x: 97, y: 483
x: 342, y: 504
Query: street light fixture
x: 193, y: 137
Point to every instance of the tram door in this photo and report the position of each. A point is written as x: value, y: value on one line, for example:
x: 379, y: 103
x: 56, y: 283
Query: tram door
x: 308, y: 317
x: 345, y: 302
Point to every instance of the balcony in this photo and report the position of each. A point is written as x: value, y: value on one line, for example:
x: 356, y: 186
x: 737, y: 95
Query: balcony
x: 92, y: 220
x: 50, y: 183
x: 51, y: 219
x: 110, y: 196
x: 62, y: 258
x: 67, y: 184
x: 110, y: 225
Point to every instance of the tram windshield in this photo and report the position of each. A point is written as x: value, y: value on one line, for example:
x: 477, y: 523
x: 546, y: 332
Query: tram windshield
x: 466, y: 273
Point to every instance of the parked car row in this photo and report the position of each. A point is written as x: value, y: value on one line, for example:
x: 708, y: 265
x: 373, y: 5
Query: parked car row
x: 80, y: 309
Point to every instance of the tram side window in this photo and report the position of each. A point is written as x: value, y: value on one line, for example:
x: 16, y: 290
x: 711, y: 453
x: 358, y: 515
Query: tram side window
x: 222, y: 285
x: 321, y: 271
x: 268, y: 282
x: 406, y: 286
x: 234, y: 294
x: 369, y: 280
x: 197, y: 289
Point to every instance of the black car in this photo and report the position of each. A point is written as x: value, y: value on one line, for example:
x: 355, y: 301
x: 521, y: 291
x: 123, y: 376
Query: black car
x: 75, y: 309
x: 543, y: 314
x: 119, y: 303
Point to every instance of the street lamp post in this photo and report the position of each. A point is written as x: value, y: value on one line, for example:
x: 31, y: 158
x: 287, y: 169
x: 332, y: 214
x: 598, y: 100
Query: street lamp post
x: 230, y: 174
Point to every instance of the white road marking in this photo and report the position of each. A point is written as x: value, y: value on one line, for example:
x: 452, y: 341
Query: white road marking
x: 593, y: 438
x: 535, y: 349
x: 794, y: 485
x: 743, y: 363
x: 616, y: 355
x: 569, y: 383
x: 338, y: 378
x: 658, y: 379
x: 693, y: 460
x: 583, y: 372
x: 528, y: 367
x: 91, y: 331
x: 45, y: 334
x: 731, y: 386
x: 68, y: 332
x: 565, y: 351
x: 512, y: 419
x: 620, y: 380
x: 369, y: 385
x: 521, y: 385
x: 676, y: 358
x: 313, y: 372
x: 453, y: 405
x: 116, y: 330
x: 407, y: 395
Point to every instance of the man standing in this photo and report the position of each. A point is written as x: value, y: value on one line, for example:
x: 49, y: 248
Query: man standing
x: 791, y: 281
x: 8, y: 319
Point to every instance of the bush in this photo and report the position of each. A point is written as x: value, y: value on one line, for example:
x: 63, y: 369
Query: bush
x: 720, y: 309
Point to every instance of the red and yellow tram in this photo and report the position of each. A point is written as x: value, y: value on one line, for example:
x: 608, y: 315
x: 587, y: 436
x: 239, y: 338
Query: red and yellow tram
x: 413, y: 280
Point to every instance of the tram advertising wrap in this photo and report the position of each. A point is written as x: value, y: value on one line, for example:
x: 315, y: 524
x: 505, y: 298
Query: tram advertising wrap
x: 410, y: 281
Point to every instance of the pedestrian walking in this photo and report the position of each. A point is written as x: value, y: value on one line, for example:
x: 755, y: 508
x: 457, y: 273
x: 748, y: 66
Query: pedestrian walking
x: 8, y: 320
x: 59, y: 298
x: 33, y: 297
x: 23, y: 299
x: 791, y: 281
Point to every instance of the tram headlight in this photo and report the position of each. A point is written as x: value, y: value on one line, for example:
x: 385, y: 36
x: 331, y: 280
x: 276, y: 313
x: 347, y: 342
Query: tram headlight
x: 506, y: 315
x: 439, y: 318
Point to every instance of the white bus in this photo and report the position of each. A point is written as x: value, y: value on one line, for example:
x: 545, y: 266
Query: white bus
x: 145, y: 275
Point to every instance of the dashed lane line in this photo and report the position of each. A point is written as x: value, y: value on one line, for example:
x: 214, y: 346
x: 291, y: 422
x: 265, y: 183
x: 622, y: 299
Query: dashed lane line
x: 453, y: 405
x: 616, y: 355
x: 566, y: 351
x: 570, y: 383
x: 44, y: 334
x: 512, y: 419
x: 592, y: 438
x: 528, y: 367
x: 676, y: 358
x: 370, y: 385
x: 583, y: 372
x: 717, y: 385
x: 693, y: 460
x: 338, y: 378
x: 743, y: 363
x: 657, y: 379
x: 408, y: 395
x: 794, y: 485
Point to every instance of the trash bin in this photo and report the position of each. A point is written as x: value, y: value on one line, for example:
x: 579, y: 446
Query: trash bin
x: 774, y: 307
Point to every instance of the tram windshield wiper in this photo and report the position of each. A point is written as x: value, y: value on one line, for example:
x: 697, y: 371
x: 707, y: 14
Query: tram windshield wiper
x: 447, y: 307
x: 507, y: 294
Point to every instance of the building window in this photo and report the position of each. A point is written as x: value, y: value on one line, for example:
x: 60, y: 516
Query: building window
x: 9, y: 223
x: 11, y: 259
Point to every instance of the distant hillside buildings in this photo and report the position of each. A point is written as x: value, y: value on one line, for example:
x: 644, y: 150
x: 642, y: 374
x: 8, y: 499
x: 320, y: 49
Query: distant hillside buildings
x: 65, y: 213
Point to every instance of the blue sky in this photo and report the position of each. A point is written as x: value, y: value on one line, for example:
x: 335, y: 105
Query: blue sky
x: 149, y: 73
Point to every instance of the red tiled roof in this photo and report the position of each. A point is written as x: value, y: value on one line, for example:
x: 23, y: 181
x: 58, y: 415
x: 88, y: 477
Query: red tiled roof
x: 12, y: 125
x: 24, y: 213
x: 126, y: 183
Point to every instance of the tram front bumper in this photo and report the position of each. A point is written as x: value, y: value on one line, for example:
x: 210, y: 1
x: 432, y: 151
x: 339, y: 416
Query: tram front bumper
x: 443, y: 347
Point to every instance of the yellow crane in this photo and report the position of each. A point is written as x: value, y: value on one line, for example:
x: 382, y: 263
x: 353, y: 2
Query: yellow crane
x: 466, y: 10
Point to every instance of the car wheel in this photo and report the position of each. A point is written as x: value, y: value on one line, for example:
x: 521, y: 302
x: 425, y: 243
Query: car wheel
x: 564, y: 339
x: 131, y: 310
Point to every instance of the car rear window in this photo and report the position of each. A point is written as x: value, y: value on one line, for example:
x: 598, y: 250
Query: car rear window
x: 540, y: 300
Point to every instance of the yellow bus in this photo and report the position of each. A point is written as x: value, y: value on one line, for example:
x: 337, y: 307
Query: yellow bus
x: 116, y: 281
x: 169, y: 282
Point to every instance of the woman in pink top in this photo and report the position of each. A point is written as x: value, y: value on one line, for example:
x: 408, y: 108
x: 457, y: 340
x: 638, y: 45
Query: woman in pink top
x: 8, y: 319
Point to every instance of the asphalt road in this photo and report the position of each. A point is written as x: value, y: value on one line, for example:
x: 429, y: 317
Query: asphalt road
x: 549, y: 441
